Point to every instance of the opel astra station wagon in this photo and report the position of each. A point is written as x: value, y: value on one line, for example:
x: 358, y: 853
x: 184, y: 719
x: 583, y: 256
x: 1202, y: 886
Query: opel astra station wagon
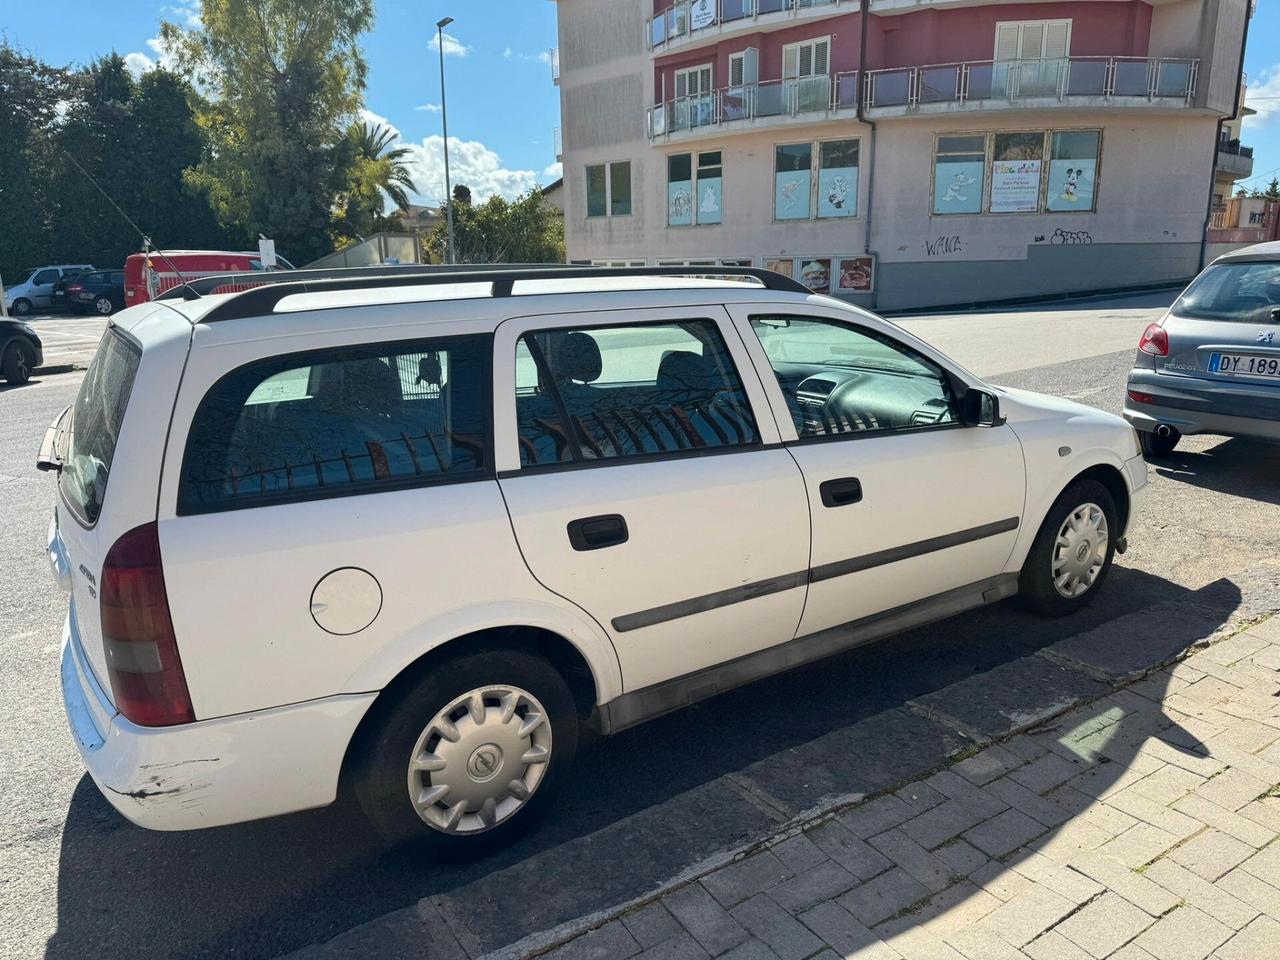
x: 414, y: 532
x: 1212, y: 365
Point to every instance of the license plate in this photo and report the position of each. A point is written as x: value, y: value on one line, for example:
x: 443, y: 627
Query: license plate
x: 1244, y: 365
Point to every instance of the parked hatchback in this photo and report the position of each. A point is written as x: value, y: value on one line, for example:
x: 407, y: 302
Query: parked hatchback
x: 420, y: 530
x: 35, y: 290
x: 1212, y: 365
x: 101, y: 291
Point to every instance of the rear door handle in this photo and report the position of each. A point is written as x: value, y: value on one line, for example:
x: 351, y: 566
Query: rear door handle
x: 841, y: 491
x: 593, y: 533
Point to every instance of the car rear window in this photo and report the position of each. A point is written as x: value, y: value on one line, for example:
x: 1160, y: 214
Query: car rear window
x: 340, y: 421
x: 1244, y: 292
x: 95, y: 425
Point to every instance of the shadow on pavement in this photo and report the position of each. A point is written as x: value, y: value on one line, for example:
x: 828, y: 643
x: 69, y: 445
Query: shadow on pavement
x: 639, y: 808
x: 1239, y: 466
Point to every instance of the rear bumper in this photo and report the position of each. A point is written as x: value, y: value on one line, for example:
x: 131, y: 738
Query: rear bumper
x: 212, y: 772
x: 1192, y: 405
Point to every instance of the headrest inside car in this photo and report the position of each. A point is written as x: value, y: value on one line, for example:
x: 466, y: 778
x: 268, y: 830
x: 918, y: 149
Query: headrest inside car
x: 575, y: 356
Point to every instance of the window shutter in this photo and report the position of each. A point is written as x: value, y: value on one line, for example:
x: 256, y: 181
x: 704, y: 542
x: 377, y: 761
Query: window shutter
x: 1057, y: 39
x: 736, y: 69
x: 1007, y: 41
x: 1032, y: 47
x: 790, y: 59
x: 682, y: 84
x: 806, y: 60
x: 820, y: 57
x: 750, y: 65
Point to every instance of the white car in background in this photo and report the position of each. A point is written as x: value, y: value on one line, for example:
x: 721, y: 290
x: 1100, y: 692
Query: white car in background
x: 417, y: 529
x: 35, y: 290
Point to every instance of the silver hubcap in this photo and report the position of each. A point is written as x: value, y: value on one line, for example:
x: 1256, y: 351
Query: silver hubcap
x: 103, y: 305
x: 479, y: 760
x: 1080, y: 550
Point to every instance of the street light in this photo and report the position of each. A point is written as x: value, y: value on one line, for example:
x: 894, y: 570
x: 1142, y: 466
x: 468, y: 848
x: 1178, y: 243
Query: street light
x: 444, y: 119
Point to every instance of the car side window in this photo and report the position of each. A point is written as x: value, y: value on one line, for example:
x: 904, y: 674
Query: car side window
x: 840, y: 379
x: 45, y: 276
x: 340, y: 421
x: 605, y: 393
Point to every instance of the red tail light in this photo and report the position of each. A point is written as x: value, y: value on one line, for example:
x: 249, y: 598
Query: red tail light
x: 142, y: 652
x: 74, y: 287
x: 1154, y: 341
x: 1137, y: 396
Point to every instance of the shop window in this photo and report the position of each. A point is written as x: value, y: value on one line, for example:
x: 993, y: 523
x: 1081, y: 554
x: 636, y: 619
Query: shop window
x: 693, y: 201
x: 1073, y: 171
x: 1016, y: 162
x: 958, y: 167
x: 838, y: 178
x: 815, y: 180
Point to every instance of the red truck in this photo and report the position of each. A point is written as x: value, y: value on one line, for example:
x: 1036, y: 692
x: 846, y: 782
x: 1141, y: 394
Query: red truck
x: 147, y: 275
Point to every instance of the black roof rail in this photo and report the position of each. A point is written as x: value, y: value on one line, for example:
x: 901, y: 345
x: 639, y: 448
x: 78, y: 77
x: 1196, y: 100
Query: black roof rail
x: 262, y: 278
x: 262, y: 300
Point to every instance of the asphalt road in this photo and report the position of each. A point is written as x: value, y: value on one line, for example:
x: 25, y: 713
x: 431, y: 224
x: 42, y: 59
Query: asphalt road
x: 75, y: 878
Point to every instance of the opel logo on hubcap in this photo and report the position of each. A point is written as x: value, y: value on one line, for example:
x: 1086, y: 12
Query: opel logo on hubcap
x: 1082, y: 553
x: 484, y: 762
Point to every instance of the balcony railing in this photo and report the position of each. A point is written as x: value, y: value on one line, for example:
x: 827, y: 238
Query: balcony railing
x: 981, y: 82
x: 1019, y: 80
x: 557, y: 144
x: 555, y: 64
x: 686, y: 17
x: 1235, y: 148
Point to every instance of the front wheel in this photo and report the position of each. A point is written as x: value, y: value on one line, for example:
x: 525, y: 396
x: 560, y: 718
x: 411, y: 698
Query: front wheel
x: 468, y: 756
x: 1072, y: 553
x: 22, y: 307
x: 16, y: 364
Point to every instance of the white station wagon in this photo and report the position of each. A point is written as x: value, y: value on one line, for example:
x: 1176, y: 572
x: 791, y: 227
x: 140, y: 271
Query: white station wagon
x: 417, y: 529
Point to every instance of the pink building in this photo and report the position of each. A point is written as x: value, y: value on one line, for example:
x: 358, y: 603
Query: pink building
x: 900, y: 153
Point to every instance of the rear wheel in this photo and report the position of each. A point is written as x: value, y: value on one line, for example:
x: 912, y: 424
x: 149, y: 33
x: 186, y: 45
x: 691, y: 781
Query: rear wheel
x: 1155, y: 446
x: 1072, y: 554
x: 103, y: 306
x: 17, y: 361
x: 468, y: 756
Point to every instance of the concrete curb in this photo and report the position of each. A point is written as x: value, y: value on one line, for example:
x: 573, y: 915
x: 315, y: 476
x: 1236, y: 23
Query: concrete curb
x: 539, y: 943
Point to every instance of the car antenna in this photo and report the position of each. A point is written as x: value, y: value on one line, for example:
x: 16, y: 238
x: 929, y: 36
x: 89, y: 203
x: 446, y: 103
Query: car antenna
x: 190, y: 293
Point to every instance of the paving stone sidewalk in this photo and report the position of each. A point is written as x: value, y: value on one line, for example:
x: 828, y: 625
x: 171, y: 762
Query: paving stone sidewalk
x: 1139, y: 827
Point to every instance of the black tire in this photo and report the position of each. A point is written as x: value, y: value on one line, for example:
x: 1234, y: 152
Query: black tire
x: 380, y: 758
x: 17, y: 361
x: 1036, y: 586
x: 1156, y: 447
x: 103, y: 306
x: 22, y: 307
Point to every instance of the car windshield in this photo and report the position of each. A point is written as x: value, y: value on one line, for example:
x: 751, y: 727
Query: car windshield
x: 1243, y: 292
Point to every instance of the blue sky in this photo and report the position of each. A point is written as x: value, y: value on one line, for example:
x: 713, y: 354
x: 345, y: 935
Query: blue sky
x: 502, y: 103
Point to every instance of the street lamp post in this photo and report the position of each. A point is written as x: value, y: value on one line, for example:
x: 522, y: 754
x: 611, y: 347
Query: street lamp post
x: 444, y: 119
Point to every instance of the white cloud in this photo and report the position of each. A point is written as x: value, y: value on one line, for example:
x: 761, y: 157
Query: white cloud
x: 1263, y: 94
x: 553, y: 171
x: 506, y: 54
x: 188, y: 14
x: 453, y: 47
x: 544, y: 56
x: 428, y: 107
x: 138, y: 63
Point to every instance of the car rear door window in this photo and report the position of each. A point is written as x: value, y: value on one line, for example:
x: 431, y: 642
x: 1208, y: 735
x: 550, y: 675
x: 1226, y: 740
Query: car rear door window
x: 605, y: 393
x: 340, y: 421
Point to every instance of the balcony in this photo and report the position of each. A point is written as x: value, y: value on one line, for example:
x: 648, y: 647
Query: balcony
x: 557, y: 143
x: 692, y: 23
x: 1234, y: 160
x: 553, y: 57
x: 939, y: 88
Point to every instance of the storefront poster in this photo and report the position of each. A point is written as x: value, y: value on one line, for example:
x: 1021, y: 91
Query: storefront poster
x: 702, y: 14
x: 680, y: 203
x: 784, y: 267
x: 815, y: 273
x: 710, y: 199
x: 1015, y: 186
x: 856, y: 274
x: 791, y: 195
x: 1071, y: 184
x: 838, y: 192
x: 957, y: 187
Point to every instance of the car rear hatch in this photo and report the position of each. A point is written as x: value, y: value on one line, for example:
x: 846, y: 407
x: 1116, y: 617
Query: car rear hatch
x: 108, y: 447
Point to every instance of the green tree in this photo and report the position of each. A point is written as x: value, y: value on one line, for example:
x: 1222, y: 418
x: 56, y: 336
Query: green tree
x: 1273, y: 189
x: 524, y: 230
x: 376, y: 172
x: 285, y: 81
x: 30, y: 94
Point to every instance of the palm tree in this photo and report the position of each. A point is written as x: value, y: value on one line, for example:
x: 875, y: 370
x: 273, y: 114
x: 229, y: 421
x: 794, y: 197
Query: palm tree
x: 390, y: 173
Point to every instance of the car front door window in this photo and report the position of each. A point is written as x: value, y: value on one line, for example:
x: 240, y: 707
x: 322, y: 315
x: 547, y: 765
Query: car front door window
x: 839, y: 379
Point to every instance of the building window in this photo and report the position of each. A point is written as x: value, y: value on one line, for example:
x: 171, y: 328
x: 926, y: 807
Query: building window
x: 691, y: 201
x: 838, y: 178
x: 958, y: 172
x: 1016, y: 160
x: 1073, y: 171
x: 794, y: 196
x: 1031, y: 57
x: 609, y: 189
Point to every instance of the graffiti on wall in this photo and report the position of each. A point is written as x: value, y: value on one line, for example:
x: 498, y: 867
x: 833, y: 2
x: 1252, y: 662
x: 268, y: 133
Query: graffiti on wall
x: 943, y: 246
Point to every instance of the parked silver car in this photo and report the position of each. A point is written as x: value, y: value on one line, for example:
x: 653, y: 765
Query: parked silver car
x: 1212, y: 365
x: 35, y: 290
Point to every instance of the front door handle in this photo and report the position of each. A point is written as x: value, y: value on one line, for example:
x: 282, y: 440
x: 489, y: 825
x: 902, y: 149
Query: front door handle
x: 593, y: 533
x: 841, y: 491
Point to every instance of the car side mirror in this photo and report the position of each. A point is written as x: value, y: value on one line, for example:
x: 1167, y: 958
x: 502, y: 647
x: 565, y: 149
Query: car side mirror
x: 980, y: 408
